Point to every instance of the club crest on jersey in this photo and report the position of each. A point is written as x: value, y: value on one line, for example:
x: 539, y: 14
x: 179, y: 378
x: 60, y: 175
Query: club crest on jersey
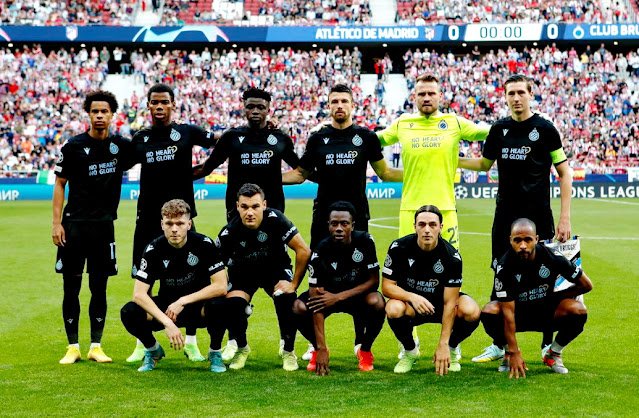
x: 410, y: 262
x: 175, y: 135
x: 533, y: 135
x: 166, y: 263
x: 272, y: 140
x: 498, y: 285
x: 544, y: 272
x: 192, y: 259
x: 357, y: 140
x: 334, y: 266
x: 113, y: 148
x: 505, y: 131
x: 58, y: 265
x: 87, y: 150
x: 357, y: 256
x: 326, y: 140
x: 261, y: 237
x: 438, y: 267
x: 443, y: 125
x: 518, y: 277
x: 388, y: 261
x: 240, y: 138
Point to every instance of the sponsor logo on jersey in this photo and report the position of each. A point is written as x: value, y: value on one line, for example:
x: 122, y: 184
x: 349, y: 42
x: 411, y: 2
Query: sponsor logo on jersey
x: 192, y: 259
x: 289, y: 273
x: 410, y: 125
x: 544, y: 272
x: 146, y: 138
x: 241, y: 139
x: 518, y: 277
x: 272, y: 140
x: 533, y: 135
x: 457, y: 256
x: 314, y: 256
x: 225, y: 232
x: 334, y: 266
x: 443, y: 125
x: 372, y: 266
x: 272, y: 215
x: 326, y: 140
x: 499, y: 268
x: 175, y: 135
x: 70, y: 320
x: 388, y: 261
x: 289, y: 232
x: 394, y: 244
x: 86, y: 150
x: 576, y: 273
x: 58, y: 265
x: 243, y: 243
x: 207, y: 239
x: 166, y: 263
x: 262, y: 236
x: 143, y: 264
x: 438, y: 267
x: 410, y: 282
x: 505, y: 131
x: 113, y: 148
x: 99, y: 319
x: 149, y: 248
x: 498, y: 285
x: 357, y: 141
x: 357, y: 256
x: 410, y: 262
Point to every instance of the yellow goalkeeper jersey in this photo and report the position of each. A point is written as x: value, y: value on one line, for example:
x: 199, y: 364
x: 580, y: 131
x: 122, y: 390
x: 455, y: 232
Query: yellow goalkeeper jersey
x: 430, y: 151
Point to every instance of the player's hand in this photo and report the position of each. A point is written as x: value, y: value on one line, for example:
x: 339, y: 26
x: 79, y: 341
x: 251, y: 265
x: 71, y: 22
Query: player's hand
x: 319, y: 126
x: 321, y: 361
x: 442, y: 359
x: 421, y: 305
x: 563, y: 230
x: 517, y: 365
x: 324, y: 300
x: 272, y: 124
x: 174, y: 310
x: 176, y: 339
x: 283, y: 286
x: 58, y: 235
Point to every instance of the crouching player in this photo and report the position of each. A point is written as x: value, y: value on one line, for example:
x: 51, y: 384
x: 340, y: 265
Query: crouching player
x: 524, y: 282
x: 192, y: 283
x: 343, y: 277
x: 422, y: 276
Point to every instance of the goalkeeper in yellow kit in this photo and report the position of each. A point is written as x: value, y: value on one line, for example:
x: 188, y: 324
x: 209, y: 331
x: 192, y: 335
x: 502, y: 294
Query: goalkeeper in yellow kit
x: 430, y: 152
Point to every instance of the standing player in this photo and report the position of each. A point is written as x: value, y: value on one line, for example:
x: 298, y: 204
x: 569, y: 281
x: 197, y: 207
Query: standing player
x: 422, y: 275
x: 190, y: 272
x: 339, y: 153
x: 430, y: 152
x: 165, y: 151
x: 255, y: 153
x: 255, y: 245
x: 525, y: 145
x: 524, y: 282
x: 343, y: 277
x: 92, y: 164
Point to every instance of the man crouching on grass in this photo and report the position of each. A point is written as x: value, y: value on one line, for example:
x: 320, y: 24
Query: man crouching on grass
x: 192, y: 278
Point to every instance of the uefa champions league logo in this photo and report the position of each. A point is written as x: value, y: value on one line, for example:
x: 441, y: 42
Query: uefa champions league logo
x: 143, y: 264
x: 498, y: 285
x: 61, y: 158
x: 388, y: 261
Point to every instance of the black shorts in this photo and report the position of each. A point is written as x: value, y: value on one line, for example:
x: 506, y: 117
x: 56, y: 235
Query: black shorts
x: 319, y: 226
x: 501, y: 230
x: 435, y: 318
x: 538, y: 320
x: 191, y: 315
x: 355, y: 306
x: 90, y: 241
x: 249, y: 283
x: 146, y: 230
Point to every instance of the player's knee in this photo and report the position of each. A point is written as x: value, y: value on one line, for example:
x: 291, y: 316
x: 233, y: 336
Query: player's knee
x: 299, y: 307
x: 128, y: 312
x: 395, y: 309
x: 491, y: 308
x: 375, y: 301
x: 573, y: 307
x: 468, y: 309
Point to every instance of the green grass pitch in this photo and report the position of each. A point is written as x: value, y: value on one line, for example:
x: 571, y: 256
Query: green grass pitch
x: 603, y: 379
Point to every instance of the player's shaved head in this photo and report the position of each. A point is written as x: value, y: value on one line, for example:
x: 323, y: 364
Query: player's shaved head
x: 523, y: 223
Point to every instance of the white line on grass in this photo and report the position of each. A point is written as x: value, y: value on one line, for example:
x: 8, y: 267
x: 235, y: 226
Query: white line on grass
x: 487, y: 234
x: 613, y: 201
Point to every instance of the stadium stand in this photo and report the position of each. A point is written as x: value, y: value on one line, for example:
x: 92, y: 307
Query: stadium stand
x: 58, y: 13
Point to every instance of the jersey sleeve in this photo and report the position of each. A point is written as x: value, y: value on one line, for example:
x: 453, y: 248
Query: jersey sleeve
x: 454, y: 278
x: 147, y: 271
x: 307, y: 162
x: 370, y: 253
x: 373, y: 148
x: 289, y: 155
x: 392, y: 265
x: 201, y: 137
x: 213, y: 257
x: 491, y: 146
x: 64, y: 165
x: 471, y: 131
x: 504, y: 284
x: 569, y: 271
x: 315, y: 271
x: 127, y: 153
x: 287, y: 229
x: 554, y: 145
x: 220, y: 152
x: 389, y: 135
x: 223, y: 244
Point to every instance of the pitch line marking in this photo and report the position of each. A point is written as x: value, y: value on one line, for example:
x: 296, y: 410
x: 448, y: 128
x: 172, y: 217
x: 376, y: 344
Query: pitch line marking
x: 487, y: 234
x: 613, y: 201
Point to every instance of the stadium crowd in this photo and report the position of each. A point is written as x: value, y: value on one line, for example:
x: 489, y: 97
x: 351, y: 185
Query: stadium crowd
x: 59, y: 13
x: 582, y: 91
